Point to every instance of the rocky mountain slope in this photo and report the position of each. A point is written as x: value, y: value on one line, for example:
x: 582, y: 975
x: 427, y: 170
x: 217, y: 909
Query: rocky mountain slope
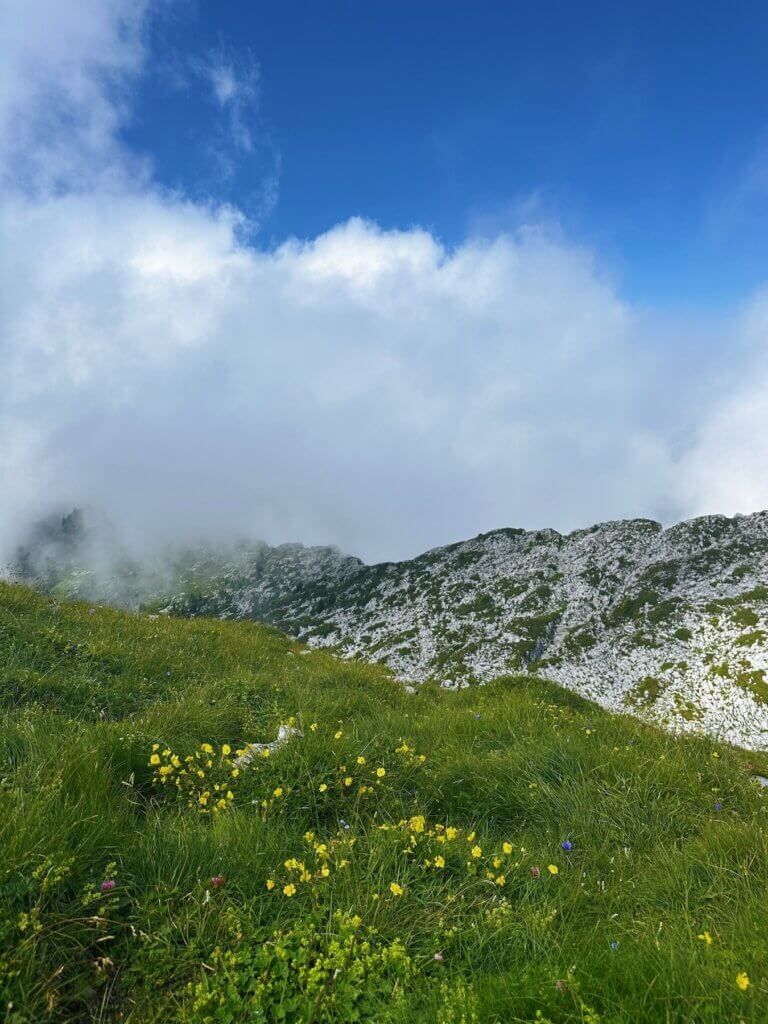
x: 669, y: 624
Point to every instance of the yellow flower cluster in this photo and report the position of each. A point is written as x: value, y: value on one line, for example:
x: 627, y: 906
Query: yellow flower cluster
x: 321, y: 861
x: 208, y: 778
x: 408, y: 755
x: 448, y: 849
x: 359, y: 780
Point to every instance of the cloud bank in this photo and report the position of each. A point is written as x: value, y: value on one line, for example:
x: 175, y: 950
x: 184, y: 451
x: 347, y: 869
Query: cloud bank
x: 367, y: 388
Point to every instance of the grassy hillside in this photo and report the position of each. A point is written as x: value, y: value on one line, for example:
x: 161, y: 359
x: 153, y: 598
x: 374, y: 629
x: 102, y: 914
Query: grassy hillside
x: 507, y: 853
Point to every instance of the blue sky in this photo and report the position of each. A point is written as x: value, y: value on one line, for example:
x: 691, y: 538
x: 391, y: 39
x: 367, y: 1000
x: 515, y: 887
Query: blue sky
x: 640, y: 128
x: 381, y: 275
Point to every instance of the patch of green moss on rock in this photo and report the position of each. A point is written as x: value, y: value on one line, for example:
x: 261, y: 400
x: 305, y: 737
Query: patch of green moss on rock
x: 745, y: 617
x: 754, y: 681
x: 645, y: 692
x: 686, y: 709
x: 758, y: 636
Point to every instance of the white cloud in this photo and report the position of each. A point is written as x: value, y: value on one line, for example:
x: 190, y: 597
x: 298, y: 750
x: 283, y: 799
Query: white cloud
x: 64, y: 70
x: 368, y: 388
x: 726, y: 469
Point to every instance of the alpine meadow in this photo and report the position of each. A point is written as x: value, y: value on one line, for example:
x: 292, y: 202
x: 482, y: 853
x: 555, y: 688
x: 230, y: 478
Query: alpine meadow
x: 505, y: 852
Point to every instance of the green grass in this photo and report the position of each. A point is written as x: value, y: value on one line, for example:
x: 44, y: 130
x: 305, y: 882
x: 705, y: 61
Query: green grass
x: 612, y: 937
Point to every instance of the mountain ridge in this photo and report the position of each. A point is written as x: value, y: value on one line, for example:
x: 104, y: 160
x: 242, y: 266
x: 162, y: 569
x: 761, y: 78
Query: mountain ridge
x: 670, y: 623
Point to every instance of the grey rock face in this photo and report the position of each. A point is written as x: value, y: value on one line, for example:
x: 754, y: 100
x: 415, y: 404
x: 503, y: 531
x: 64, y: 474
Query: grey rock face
x: 671, y: 625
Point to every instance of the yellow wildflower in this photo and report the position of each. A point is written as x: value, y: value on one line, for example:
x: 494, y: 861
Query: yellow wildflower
x: 155, y: 759
x: 270, y: 883
x: 348, y: 780
x: 361, y: 760
x: 322, y: 787
x: 206, y: 748
x: 553, y: 869
x: 451, y: 832
x: 507, y: 848
x: 706, y: 937
x: 501, y: 880
x: 381, y: 772
x: 278, y: 792
x: 226, y: 749
x: 439, y: 862
x: 313, y: 727
x: 397, y: 890
x: 477, y: 851
x: 742, y: 980
x: 290, y: 889
x: 338, y: 735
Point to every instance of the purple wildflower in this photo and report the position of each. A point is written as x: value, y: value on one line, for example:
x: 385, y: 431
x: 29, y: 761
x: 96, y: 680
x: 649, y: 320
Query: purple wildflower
x: 107, y: 884
x: 567, y: 845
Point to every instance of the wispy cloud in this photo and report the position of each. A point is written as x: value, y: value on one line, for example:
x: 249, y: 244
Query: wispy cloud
x: 234, y: 85
x: 240, y: 145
